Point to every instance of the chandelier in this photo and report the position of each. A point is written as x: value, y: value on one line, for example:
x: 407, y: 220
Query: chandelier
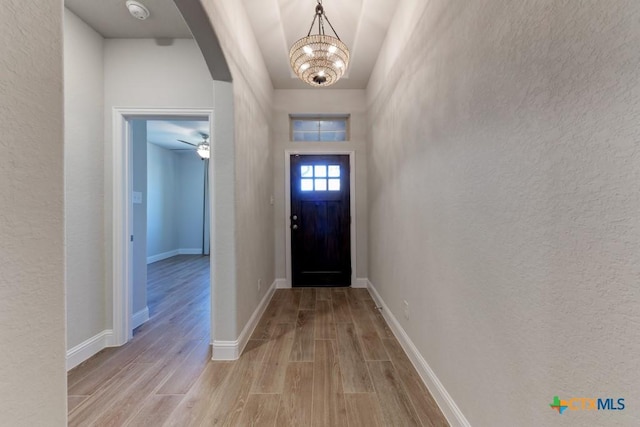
x: 319, y: 59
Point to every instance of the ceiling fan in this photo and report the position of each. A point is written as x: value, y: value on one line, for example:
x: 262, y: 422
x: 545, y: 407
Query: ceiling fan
x: 202, y: 148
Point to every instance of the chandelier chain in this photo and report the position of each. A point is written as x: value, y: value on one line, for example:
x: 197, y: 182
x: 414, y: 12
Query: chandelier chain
x: 312, y: 22
x: 332, y: 29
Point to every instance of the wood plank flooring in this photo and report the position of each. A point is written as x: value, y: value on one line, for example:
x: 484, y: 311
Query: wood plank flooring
x: 318, y: 357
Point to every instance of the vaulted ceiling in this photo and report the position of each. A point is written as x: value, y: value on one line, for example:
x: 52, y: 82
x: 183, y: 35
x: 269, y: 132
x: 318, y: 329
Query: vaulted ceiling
x: 361, y: 24
x: 277, y: 24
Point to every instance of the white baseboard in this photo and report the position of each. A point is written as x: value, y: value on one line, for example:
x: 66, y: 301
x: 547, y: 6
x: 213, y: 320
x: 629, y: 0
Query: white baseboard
x: 282, y: 284
x: 190, y: 251
x: 181, y: 251
x: 449, y: 408
x: 140, y: 317
x: 361, y: 282
x: 160, y: 257
x: 231, y: 350
x: 225, y: 350
x: 88, y: 348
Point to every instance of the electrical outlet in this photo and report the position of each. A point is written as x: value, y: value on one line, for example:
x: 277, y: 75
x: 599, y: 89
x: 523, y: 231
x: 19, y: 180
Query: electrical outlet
x: 259, y: 284
x: 405, y: 304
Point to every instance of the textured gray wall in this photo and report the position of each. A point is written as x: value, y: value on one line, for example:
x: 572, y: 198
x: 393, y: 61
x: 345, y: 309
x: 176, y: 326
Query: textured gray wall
x: 250, y: 150
x: 163, y: 201
x: 84, y: 179
x: 504, y: 201
x: 32, y: 324
x: 189, y: 203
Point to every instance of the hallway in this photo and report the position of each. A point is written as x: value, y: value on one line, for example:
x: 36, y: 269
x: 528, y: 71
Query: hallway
x: 322, y: 357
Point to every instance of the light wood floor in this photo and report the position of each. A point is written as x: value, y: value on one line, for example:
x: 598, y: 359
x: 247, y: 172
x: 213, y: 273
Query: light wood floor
x: 319, y: 357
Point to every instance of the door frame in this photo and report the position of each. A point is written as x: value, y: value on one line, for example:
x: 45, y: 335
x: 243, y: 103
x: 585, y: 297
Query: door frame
x: 122, y: 208
x: 287, y: 204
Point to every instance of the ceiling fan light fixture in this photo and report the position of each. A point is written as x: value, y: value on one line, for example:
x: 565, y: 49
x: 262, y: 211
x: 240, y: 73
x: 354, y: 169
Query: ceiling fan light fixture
x: 319, y: 59
x: 137, y: 9
x: 203, y: 150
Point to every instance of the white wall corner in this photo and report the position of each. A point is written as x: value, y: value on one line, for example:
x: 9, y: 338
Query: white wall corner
x: 140, y: 317
x: 282, y: 284
x: 444, y: 400
x: 231, y: 350
x: 361, y: 282
x: 164, y: 255
x: 88, y: 348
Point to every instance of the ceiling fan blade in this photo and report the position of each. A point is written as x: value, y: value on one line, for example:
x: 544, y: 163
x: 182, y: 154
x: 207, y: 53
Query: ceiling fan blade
x: 200, y: 133
x: 185, y: 142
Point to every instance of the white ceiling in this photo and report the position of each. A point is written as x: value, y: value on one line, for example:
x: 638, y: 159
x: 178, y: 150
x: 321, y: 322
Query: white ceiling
x: 166, y: 133
x: 277, y: 24
x: 111, y: 19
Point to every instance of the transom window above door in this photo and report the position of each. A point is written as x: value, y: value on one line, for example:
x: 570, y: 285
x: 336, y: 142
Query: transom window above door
x: 320, y: 177
x: 319, y: 129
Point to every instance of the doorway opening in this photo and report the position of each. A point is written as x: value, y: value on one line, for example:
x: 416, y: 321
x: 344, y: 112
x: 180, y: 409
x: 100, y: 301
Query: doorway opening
x: 176, y: 197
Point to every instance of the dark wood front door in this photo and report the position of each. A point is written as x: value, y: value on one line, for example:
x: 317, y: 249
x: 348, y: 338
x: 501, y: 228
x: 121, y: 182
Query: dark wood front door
x: 320, y: 220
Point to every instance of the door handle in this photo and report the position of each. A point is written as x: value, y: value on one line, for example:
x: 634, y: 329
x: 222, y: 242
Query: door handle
x: 294, y: 226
